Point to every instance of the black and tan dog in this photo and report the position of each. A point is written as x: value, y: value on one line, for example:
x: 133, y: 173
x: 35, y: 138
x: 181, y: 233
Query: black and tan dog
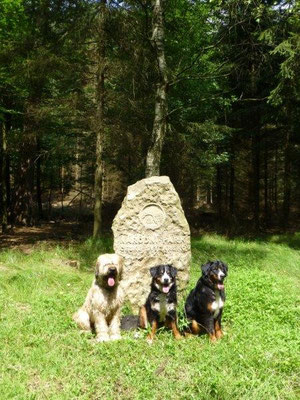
x: 204, y: 305
x: 160, y: 306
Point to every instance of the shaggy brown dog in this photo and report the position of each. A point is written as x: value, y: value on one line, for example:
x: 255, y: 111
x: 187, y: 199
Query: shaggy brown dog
x: 101, y: 309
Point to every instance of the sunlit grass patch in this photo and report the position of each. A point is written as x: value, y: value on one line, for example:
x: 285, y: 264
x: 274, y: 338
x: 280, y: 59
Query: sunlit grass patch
x: 43, y: 354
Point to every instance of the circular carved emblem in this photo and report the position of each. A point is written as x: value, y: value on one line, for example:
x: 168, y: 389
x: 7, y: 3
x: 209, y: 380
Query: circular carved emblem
x: 152, y: 216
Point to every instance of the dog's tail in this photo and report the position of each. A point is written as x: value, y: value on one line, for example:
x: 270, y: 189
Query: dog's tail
x: 129, y: 322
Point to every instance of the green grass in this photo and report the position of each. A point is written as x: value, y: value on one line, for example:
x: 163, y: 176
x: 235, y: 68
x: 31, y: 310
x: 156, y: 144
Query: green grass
x: 44, y: 356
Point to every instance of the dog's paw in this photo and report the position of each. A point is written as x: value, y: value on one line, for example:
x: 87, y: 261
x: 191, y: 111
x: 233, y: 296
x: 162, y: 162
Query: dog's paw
x: 137, y: 335
x: 219, y: 334
x: 100, y: 339
x: 84, y: 331
x: 178, y: 337
x: 212, y: 339
x: 149, y: 340
x: 115, y: 337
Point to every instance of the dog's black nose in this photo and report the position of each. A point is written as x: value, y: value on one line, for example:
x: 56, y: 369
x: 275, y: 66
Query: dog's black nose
x: 112, y: 269
x: 166, y: 281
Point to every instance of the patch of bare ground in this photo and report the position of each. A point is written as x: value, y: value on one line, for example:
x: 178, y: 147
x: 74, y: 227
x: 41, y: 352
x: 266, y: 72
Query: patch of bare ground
x: 3, y: 267
x: 25, y: 238
x: 21, y: 307
x: 40, y: 388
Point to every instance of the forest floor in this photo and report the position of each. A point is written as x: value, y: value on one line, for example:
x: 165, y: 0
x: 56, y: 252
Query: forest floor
x: 25, y: 238
x: 45, y: 274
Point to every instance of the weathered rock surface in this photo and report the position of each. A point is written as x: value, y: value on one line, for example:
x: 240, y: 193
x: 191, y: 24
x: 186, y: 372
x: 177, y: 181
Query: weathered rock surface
x: 149, y: 229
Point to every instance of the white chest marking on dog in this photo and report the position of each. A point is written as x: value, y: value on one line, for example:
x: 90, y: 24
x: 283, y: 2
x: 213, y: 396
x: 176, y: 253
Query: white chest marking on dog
x: 217, y: 305
x: 162, y: 307
x: 165, y: 277
x: 220, y: 274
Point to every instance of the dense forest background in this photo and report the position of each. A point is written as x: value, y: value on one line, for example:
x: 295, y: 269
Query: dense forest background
x: 82, y: 84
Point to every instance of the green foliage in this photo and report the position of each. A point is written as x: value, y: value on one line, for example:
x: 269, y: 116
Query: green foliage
x: 233, y: 79
x: 289, y: 50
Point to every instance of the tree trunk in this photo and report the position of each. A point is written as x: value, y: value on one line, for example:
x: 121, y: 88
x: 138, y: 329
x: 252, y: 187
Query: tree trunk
x: 254, y: 125
x: 231, y: 185
x: 50, y: 198
x: 100, y: 123
x: 24, y: 205
x: 8, y: 188
x: 24, y: 182
x: 77, y: 176
x: 28, y: 174
x: 62, y: 190
x: 4, y: 208
x: 161, y: 109
x: 38, y: 180
x: 219, y: 190
x: 276, y: 180
x: 266, y: 184
x: 287, y: 182
x: 226, y: 191
x: 256, y: 177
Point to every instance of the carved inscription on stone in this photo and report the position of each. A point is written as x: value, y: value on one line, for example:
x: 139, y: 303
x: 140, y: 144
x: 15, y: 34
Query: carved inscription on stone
x: 152, y: 216
x: 139, y: 245
x: 150, y: 229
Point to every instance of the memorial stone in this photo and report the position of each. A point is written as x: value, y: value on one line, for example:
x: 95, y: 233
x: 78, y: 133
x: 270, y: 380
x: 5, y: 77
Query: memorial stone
x: 150, y: 229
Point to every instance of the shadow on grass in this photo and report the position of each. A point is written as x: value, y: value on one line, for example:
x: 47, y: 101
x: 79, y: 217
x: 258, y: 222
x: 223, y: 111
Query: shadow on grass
x: 225, y: 249
x: 88, y: 251
x: 59, y: 233
x: 291, y: 240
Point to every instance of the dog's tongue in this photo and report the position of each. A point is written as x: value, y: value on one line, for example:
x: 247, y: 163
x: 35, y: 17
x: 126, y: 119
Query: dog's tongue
x: 220, y: 286
x: 111, y: 281
x: 165, y: 289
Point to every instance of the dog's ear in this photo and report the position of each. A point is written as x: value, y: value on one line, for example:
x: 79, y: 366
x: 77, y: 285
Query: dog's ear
x: 153, y: 271
x: 97, y: 269
x: 205, y: 267
x: 225, y: 266
x: 173, y: 271
x: 121, y: 264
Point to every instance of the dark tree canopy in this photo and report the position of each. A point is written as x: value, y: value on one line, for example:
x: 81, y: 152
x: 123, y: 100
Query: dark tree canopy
x: 208, y: 91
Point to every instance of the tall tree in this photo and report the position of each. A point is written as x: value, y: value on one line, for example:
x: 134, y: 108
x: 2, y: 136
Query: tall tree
x: 4, y: 166
x: 285, y: 96
x: 161, y: 108
x: 101, y: 39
